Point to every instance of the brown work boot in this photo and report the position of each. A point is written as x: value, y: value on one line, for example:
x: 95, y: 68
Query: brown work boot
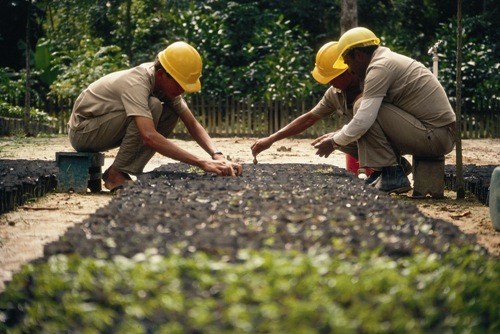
x: 393, y: 180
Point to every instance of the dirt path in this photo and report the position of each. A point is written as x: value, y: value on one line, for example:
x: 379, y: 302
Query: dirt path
x: 25, y: 231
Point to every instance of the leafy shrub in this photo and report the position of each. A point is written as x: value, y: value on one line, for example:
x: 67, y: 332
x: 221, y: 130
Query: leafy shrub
x: 12, y: 85
x: 36, y: 115
x: 12, y: 95
x: 5, y: 84
x: 266, y: 292
x: 480, y: 65
x: 249, y: 51
x: 79, y: 68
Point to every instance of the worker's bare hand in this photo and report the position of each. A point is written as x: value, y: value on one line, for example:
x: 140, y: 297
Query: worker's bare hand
x: 237, y: 168
x: 222, y: 167
x: 260, y: 145
x: 324, y: 147
x: 320, y: 139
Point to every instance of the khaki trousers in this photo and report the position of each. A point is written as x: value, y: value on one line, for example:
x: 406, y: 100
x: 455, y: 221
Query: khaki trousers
x: 117, y: 130
x: 395, y: 133
x: 351, y: 148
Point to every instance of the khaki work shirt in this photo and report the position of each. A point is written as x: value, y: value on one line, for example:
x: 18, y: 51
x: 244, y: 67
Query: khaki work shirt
x: 333, y: 102
x: 408, y: 85
x: 126, y: 91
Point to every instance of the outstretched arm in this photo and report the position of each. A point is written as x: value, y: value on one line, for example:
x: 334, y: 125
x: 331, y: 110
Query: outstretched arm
x: 203, y: 139
x: 297, y: 126
x: 164, y: 146
x: 199, y: 133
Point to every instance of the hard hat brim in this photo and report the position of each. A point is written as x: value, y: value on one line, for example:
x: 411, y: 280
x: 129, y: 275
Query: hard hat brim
x: 339, y: 62
x: 191, y: 87
x: 322, y: 79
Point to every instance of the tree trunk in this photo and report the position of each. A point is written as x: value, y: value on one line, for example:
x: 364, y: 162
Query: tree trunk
x: 348, y: 15
x: 128, y: 29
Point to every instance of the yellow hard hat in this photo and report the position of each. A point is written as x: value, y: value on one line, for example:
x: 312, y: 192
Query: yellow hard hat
x: 184, y: 64
x: 324, y: 71
x: 355, y: 37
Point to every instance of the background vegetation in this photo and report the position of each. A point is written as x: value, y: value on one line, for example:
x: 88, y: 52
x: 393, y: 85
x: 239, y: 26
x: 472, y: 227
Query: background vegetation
x: 258, y: 50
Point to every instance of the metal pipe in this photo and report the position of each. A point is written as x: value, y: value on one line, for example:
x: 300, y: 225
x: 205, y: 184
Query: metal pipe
x: 435, y: 58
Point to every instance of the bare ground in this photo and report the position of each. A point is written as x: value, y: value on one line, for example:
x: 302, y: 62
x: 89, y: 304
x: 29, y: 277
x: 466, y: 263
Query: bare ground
x: 25, y: 231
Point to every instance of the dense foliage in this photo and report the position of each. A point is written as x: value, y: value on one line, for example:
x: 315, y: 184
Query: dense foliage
x: 253, y: 48
x: 480, y: 80
x: 11, y: 98
x: 12, y: 111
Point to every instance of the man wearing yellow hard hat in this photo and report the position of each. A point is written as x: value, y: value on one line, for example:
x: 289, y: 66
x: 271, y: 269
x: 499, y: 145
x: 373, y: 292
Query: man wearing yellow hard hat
x: 136, y: 110
x: 404, y: 110
x: 338, y: 99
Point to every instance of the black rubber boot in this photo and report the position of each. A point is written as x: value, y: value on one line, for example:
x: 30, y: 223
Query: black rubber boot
x: 370, y: 180
x: 393, y: 180
x: 373, y: 177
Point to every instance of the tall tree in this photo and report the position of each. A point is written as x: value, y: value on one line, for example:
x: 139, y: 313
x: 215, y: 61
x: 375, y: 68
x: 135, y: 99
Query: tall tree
x: 349, y: 15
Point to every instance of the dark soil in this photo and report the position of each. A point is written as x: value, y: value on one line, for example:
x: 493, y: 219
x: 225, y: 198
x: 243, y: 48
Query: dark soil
x: 476, y: 180
x: 280, y: 206
x: 21, y: 180
x: 276, y: 206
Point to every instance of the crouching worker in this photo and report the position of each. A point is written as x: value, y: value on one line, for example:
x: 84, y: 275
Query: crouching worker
x: 404, y: 110
x: 137, y: 109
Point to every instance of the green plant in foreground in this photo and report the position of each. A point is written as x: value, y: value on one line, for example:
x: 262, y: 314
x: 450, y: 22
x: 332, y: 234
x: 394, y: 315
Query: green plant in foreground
x: 263, y: 292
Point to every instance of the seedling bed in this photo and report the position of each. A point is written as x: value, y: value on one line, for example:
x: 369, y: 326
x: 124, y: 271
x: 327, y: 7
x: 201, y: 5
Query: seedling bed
x: 22, y: 180
x: 282, y: 206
